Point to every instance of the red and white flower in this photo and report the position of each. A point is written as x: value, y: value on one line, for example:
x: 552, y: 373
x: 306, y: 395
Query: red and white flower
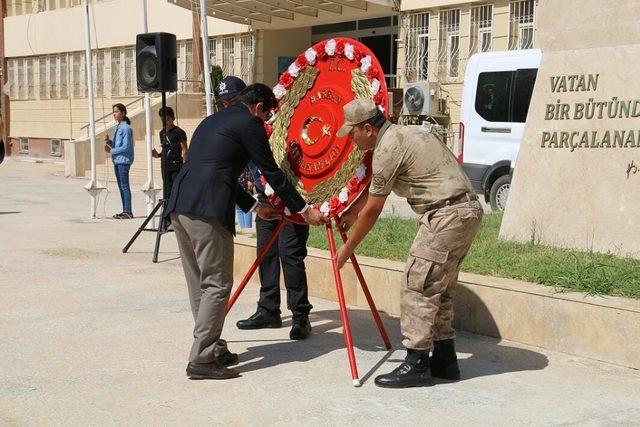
x: 330, y: 47
x: 375, y: 86
x: 311, y: 54
x: 348, y: 51
x: 279, y: 91
x: 365, y: 63
x: 293, y: 69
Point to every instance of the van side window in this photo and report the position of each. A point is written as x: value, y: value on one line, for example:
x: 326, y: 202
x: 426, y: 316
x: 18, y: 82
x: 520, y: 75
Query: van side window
x: 493, y: 95
x: 522, y: 91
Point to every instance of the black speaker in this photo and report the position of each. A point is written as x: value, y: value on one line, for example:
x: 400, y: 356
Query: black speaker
x: 156, y: 65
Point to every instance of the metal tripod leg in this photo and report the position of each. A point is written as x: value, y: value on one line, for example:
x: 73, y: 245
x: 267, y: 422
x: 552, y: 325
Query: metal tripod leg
x: 365, y: 289
x: 161, y: 229
x: 343, y: 308
x: 256, y: 263
x: 142, y: 227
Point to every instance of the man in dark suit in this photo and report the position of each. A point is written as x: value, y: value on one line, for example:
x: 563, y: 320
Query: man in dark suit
x: 202, y: 208
x: 289, y: 250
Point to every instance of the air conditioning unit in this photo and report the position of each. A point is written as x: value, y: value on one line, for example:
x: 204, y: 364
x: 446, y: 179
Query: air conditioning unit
x: 420, y: 99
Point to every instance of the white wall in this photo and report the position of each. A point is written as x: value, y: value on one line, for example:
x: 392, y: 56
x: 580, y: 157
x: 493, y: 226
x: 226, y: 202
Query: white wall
x: 113, y: 23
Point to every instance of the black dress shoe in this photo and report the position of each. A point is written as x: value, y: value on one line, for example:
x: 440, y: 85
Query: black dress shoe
x: 227, y: 358
x: 300, y: 328
x: 413, y: 372
x: 260, y: 319
x: 210, y: 371
x: 444, y: 362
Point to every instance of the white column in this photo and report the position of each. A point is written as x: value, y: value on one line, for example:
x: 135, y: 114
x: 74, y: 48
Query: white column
x: 149, y: 188
x: 93, y: 187
x: 204, y: 31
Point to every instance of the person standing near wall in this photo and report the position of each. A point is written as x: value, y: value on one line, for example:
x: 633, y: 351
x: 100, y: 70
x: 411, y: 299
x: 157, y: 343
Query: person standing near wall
x: 121, y: 149
x: 173, y: 153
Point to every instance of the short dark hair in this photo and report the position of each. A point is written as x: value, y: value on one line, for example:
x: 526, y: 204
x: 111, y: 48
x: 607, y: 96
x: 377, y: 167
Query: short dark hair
x: 169, y: 112
x: 376, y: 121
x: 256, y: 93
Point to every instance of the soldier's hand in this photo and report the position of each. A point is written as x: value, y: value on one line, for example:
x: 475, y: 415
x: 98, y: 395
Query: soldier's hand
x: 267, y: 212
x: 342, y: 255
x: 314, y: 217
x: 348, y: 218
x: 155, y: 153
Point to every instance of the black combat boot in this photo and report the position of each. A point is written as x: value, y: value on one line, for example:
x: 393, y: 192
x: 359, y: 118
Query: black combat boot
x: 444, y: 362
x: 413, y: 372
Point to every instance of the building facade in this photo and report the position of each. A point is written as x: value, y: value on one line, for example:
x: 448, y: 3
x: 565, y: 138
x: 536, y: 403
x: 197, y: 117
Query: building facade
x: 437, y: 37
x: 45, y: 81
x: 44, y: 78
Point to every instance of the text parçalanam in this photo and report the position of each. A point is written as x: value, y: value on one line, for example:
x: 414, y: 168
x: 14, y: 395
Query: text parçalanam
x: 590, y: 110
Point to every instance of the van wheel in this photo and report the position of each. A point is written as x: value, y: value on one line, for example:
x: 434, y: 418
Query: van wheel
x: 499, y: 193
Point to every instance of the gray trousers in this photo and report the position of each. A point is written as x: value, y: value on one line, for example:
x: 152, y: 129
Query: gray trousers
x: 206, y: 249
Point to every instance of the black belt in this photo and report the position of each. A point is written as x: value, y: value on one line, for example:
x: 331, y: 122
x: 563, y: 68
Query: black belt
x: 464, y: 197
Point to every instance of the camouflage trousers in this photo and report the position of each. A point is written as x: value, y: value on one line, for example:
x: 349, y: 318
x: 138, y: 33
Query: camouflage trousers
x: 431, y: 273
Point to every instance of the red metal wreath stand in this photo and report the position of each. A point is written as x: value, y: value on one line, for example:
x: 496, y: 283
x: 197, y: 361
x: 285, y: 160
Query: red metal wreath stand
x: 339, y: 289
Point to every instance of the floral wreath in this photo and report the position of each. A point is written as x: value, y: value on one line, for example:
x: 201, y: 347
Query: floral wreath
x: 364, y: 83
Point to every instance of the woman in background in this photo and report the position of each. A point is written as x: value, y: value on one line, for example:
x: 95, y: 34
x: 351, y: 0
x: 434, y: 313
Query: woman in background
x: 121, y: 149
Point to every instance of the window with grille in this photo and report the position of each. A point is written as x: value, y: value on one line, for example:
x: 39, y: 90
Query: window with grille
x: 42, y: 78
x: 76, y: 75
x: 246, y: 58
x: 129, y: 72
x: 416, y: 46
x: 53, y: 77
x: 180, y: 61
x: 99, y: 74
x: 56, y: 147
x: 212, y: 52
x: 481, y: 29
x: 228, y: 56
x: 24, y: 83
x: 449, y: 44
x: 11, y: 71
x: 521, y: 24
x: 31, y: 82
x: 115, y: 72
x: 24, y: 145
x: 64, y: 76
x: 188, y: 71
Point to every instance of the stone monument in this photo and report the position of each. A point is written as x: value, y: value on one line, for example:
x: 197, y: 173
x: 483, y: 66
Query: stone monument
x: 577, y: 176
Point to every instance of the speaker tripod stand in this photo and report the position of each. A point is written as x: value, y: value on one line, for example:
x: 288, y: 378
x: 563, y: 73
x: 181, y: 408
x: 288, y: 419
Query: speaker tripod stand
x: 162, y: 228
x: 339, y: 290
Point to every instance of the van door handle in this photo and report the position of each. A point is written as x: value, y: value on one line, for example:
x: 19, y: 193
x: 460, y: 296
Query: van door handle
x: 495, y: 130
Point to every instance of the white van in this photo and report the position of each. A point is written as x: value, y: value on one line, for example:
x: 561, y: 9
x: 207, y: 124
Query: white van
x: 495, y: 102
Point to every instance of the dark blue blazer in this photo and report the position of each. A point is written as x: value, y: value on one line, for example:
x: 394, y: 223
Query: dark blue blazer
x: 220, y: 149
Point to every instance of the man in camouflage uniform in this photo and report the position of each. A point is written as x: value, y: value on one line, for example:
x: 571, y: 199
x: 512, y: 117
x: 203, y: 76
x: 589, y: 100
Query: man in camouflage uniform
x: 417, y: 165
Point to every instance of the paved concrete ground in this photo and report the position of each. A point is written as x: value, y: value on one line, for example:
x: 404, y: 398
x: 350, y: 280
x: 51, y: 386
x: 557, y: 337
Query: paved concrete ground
x: 91, y: 336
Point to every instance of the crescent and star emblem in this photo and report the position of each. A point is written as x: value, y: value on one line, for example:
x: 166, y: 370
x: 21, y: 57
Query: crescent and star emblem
x: 326, y: 130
